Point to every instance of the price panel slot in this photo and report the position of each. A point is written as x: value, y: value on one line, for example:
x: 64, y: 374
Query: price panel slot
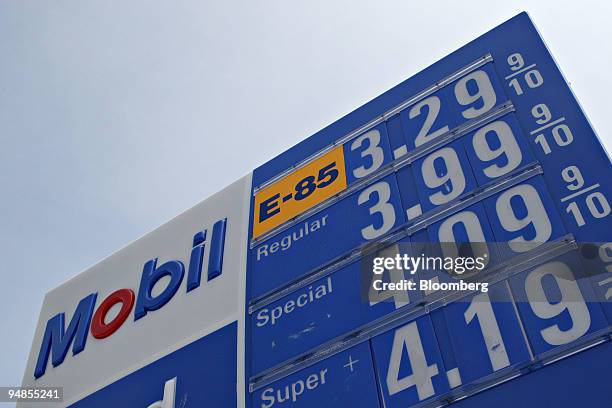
x: 557, y: 307
x: 374, y: 211
x: 410, y: 364
x: 331, y: 307
x: 518, y: 324
x: 345, y: 379
x: 484, y: 333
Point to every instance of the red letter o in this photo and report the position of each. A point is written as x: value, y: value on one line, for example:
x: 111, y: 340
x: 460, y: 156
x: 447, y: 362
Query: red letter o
x: 101, y: 330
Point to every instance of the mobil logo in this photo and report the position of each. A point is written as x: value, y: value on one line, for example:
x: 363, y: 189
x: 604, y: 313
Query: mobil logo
x: 89, y: 319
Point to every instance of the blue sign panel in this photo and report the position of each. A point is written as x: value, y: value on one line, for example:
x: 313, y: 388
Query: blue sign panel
x: 523, y: 217
x: 575, y: 165
x: 443, y: 176
x: 329, y: 307
x: 470, y: 232
x: 497, y: 149
x: 484, y: 334
x: 475, y: 94
x: 556, y: 307
x: 346, y: 379
x: 374, y: 211
x: 367, y: 153
x: 410, y: 364
x: 557, y: 385
x: 485, y: 153
x: 201, y: 374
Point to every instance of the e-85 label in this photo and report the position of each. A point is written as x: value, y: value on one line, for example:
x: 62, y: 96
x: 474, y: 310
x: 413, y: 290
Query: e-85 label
x: 299, y: 191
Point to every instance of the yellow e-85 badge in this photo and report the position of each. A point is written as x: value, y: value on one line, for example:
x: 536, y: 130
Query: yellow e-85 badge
x: 299, y: 191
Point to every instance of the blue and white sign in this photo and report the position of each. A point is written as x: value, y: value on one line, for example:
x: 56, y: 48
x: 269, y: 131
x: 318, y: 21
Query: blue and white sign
x: 486, y: 152
x: 264, y: 295
x: 163, y: 316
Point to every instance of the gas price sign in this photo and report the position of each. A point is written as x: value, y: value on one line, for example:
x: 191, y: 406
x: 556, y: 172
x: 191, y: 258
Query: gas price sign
x: 265, y: 294
x: 486, y: 147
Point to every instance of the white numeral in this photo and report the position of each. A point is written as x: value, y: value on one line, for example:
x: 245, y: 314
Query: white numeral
x: 598, y: 205
x: 373, y: 150
x: 481, y: 307
x: 533, y: 79
x: 573, y: 177
x: 485, y: 94
x: 451, y: 180
x: 536, y: 216
x: 516, y: 61
x: 475, y: 235
x: 571, y: 300
x: 382, y: 207
x: 433, y: 109
x: 541, y: 113
x: 408, y: 337
x: 400, y: 297
x: 507, y: 146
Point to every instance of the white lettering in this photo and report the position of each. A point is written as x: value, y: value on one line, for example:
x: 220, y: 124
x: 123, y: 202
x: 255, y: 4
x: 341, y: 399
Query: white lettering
x: 287, y: 241
x: 292, y: 392
x: 312, y: 294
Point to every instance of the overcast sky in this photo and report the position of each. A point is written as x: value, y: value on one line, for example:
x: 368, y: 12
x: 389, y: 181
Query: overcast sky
x: 116, y: 116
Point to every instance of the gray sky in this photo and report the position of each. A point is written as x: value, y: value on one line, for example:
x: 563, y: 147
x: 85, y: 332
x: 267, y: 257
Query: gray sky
x: 116, y: 116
